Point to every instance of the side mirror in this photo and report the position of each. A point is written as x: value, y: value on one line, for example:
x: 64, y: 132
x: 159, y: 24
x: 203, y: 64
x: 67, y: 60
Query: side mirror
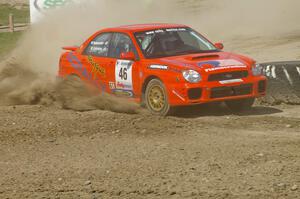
x: 128, y: 56
x: 70, y: 48
x: 219, y: 46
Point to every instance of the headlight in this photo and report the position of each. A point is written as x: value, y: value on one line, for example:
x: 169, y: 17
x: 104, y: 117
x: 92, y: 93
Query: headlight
x: 257, y: 69
x: 191, y: 76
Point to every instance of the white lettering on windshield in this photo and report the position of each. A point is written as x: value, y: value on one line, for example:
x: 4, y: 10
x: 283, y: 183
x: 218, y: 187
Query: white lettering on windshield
x: 175, y: 29
x: 155, y: 31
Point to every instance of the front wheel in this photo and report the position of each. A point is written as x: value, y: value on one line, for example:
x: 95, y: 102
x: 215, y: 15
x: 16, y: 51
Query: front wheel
x: 156, y: 98
x: 240, y: 104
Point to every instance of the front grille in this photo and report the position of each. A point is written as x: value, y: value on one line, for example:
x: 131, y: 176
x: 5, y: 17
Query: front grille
x: 227, y: 76
x: 230, y: 91
x: 262, y: 86
x: 194, y: 93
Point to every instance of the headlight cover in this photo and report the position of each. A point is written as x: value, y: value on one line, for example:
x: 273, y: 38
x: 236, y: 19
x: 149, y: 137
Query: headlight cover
x: 257, y: 69
x: 191, y: 76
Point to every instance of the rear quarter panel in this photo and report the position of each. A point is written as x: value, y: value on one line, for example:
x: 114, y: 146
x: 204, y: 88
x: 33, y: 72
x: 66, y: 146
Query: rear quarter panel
x: 70, y: 64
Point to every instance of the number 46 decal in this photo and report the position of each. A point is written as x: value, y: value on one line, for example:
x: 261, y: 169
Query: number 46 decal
x: 123, y: 74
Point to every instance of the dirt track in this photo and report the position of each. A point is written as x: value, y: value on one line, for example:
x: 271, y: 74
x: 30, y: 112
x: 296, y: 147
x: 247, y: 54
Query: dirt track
x: 47, y: 152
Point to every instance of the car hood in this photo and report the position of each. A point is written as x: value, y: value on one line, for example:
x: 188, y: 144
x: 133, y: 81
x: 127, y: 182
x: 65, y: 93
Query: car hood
x: 208, y: 62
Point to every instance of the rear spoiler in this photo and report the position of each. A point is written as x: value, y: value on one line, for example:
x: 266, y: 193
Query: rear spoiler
x: 70, y: 48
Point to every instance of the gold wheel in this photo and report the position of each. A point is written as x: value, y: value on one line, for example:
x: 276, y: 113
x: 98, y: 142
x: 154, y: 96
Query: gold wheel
x: 156, y: 98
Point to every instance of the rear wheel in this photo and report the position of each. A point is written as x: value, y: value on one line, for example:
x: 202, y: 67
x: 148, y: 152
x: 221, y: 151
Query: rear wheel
x: 240, y: 104
x: 156, y: 98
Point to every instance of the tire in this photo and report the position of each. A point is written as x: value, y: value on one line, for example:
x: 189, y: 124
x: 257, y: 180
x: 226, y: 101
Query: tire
x: 240, y: 104
x: 156, y: 98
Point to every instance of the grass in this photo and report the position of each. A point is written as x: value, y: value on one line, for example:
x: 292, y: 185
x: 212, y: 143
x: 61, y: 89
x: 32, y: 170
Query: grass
x: 21, y: 14
x: 8, y: 42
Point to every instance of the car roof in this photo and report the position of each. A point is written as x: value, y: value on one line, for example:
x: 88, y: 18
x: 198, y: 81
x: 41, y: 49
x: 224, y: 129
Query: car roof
x: 145, y: 27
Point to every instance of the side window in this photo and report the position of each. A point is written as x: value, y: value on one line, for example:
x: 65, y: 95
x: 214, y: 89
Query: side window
x: 121, y: 43
x: 99, y: 46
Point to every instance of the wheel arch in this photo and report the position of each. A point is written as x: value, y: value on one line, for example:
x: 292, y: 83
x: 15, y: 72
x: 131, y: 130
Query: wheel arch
x: 146, y: 82
x: 166, y: 109
x: 144, y: 86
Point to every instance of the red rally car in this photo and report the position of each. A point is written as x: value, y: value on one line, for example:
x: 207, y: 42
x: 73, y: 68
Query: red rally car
x: 164, y: 66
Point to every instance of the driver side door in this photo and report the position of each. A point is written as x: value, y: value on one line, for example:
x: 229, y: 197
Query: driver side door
x: 126, y: 81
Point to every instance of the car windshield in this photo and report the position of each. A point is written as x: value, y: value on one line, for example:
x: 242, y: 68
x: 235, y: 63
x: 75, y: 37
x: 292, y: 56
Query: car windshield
x: 172, y: 42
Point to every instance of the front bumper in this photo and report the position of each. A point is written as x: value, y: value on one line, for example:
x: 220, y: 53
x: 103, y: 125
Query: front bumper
x: 204, y: 92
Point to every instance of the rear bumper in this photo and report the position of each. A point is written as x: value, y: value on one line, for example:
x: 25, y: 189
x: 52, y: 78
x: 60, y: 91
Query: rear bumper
x: 204, y: 92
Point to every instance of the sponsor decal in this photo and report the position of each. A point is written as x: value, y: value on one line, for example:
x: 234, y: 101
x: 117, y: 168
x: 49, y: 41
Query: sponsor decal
x: 96, y: 68
x: 154, y: 31
x: 42, y: 5
x: 160, y: 67
x: 74, y: 61
x: 165, y: 30
x: 39, y: 8
x: 99, y: 43
x: 175, y: 29
x: 221, y: 63
x: 222, y: 68
x: 77, y: 65
x: 112, y: 85
x: 123, y: 86
x: 231, y: 81
x: 123, y: 93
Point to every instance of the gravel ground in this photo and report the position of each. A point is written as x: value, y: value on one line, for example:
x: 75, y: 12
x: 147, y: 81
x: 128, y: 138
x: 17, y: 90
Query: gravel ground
x: 202, y: 152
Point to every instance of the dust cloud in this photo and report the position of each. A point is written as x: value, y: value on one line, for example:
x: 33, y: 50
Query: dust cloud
x: 20, y: 85
x: 76, y: 95
x: 228, y: 19
x: 27, y: 75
